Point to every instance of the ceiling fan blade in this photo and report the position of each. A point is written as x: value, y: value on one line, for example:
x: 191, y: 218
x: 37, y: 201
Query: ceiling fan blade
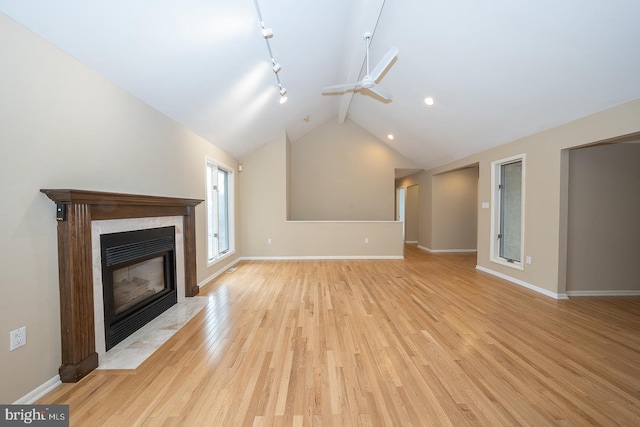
x: 381, y: 93
x: 384, y: 63
x: 342, y: 88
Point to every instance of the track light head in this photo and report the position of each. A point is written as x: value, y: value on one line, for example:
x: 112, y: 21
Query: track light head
x: 283, y: 94
x: 276, y: 67
x: 267, y: 33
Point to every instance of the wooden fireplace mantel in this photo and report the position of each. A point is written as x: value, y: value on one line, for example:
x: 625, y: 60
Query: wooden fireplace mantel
x: 77, y: 208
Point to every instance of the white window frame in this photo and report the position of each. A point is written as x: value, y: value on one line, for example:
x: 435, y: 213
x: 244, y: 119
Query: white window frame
x: 212, y: 165
x: 496, y: 209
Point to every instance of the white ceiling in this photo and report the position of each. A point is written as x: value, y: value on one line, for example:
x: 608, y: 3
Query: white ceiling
x: 498, y: 69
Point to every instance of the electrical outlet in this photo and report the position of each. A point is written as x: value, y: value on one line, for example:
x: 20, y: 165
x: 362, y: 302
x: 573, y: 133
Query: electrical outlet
x: 366, y: 240
x: 17, y: 338
x: 528, y: 260
x: 268, y: 241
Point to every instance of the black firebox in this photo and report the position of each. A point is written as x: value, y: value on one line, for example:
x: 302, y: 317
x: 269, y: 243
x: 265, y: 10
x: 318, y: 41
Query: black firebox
x: 138, y: 278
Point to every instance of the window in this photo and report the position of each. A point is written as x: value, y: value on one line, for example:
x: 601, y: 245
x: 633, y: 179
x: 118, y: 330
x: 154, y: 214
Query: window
x: 507, y: 228
x: 220, y: 229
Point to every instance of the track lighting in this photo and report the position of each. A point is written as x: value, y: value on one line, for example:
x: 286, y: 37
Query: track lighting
x: 267, y: 33
x: 276, y: 66
x: 283, y: 94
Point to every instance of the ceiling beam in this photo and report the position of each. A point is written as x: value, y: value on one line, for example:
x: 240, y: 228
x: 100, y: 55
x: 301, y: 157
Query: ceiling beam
x: 370, y: 11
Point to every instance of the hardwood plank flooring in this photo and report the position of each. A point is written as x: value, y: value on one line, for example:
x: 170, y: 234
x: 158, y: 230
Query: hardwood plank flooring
x: 423, y: 341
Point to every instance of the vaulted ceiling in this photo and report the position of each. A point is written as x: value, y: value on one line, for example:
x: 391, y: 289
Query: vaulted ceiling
x: 498, y: 69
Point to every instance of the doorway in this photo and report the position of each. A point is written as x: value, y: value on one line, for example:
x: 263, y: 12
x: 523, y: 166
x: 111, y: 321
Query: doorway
x: 400, y: 208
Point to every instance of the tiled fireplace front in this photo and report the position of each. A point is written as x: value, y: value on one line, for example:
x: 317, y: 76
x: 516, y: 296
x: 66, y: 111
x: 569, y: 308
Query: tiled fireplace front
x: 104, y: 227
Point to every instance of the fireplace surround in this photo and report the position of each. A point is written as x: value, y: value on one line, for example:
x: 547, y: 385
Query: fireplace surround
x: 75, y: 211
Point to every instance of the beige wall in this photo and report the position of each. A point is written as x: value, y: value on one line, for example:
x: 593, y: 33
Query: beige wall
x: 454, y: 204
x: 263, y: 197
x: 603, y: 238
x: 64, y: 126
x: 447, y: 208
x: 544, y: 191
x: 263, y: 201
x: 342, y: 172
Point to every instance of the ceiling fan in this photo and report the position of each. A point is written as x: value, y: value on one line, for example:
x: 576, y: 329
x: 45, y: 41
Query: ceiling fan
x: 369, y: 81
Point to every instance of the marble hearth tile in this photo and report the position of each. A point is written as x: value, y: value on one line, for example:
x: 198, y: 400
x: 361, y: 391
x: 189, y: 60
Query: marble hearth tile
x: 135, y: 349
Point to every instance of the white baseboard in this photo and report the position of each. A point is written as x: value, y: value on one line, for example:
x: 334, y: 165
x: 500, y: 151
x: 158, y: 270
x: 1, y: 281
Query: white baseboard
x: 317, y: 257
x: 523, y: 283
x: 411, y: 242
x: 442, y: 251
x: 39, y: 391
x: 629, y: 293
x: 219, y: 272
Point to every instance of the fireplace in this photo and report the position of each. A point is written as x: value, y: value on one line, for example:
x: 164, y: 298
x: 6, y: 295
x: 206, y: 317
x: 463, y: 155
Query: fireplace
x: 138, y: 278
x: 77, y: 211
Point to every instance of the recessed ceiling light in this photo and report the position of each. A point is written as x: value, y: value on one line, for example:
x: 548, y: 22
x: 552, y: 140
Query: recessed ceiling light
x: 428, y: 100
x: 390, y: 136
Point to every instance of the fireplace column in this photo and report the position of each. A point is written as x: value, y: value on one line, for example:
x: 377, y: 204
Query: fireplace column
x: 76, y: 209
x: 76, y: 294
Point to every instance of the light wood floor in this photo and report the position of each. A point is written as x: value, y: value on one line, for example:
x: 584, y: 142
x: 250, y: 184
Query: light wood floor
x: 424, y: 341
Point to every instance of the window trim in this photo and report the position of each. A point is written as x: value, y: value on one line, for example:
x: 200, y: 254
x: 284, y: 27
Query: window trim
x: 231, y: 173
x: 496, y: 208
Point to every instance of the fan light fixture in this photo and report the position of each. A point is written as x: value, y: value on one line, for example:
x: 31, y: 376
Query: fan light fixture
x: 370, y: 80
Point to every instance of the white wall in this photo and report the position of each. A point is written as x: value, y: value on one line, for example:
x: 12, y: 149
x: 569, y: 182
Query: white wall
x: 64, y: 126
